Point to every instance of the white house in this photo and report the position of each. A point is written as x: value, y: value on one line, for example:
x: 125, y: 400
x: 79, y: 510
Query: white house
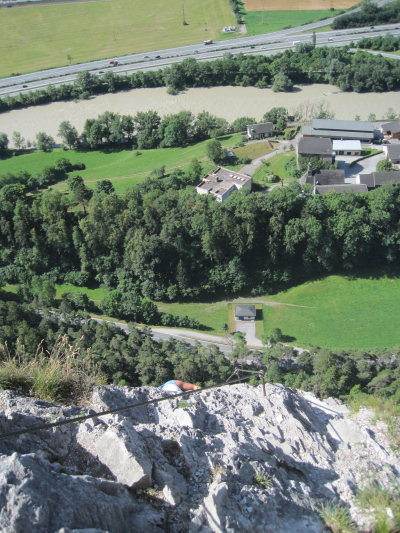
x: 222, y: 182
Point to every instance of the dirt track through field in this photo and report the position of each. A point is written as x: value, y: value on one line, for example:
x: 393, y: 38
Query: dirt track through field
x: 295, y: 5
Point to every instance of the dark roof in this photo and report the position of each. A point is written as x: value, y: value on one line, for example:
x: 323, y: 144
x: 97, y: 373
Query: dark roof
x: 367, y: 179
x: 386, y: 177
x: 393, y: 151
x: 340, y: 189
x: 327, y: 177
x: 379, y: 178
x: 263, y: 127
x: 393, y: 126
x: 245, y: 310
x: 346, y: 125
x: 315, y: 146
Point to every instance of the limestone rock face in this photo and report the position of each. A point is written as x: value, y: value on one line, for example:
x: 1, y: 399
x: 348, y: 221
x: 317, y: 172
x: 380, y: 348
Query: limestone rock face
x: 220, y: 460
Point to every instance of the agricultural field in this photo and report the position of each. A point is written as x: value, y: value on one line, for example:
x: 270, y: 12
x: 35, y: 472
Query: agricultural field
x: 295, y: 5
x: 263, y: 22
x: 44, y: 36
x: 124, y: 168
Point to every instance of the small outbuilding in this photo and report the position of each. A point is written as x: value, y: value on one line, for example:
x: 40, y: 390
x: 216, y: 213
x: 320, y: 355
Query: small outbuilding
x: 392, y: 129
x: 347, y: 147
x: 392, y: 152
x: 245, y: 312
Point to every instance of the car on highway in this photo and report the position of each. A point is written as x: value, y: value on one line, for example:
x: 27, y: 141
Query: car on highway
x: 24, y: 86
x: 146, y: 57
x: 157, y: 57
x: 113, y: 62
x: 101, y: 71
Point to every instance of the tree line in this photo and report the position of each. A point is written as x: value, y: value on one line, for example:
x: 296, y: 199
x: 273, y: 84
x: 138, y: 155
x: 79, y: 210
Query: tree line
x: 370, y: 13
x: 307, y: 64
x: 388, y: 43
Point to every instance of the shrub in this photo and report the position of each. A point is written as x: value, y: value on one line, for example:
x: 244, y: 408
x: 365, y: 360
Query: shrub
x: 337, y: 519
x: 62, y: 375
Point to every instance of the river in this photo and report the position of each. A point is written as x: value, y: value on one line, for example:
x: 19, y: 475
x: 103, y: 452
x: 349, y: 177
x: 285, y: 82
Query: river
x: 226, y: 102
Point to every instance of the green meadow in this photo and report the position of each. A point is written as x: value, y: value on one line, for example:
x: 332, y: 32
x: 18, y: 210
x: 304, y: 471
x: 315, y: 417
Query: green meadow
x: 336, y: 312
x: 339, y: 312
x: 268, y: 21
x: 124, y: 168
x: 36, y: 37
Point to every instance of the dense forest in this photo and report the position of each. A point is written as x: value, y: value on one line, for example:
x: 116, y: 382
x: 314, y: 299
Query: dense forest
x: 163, y: 241
x: 350, y: 72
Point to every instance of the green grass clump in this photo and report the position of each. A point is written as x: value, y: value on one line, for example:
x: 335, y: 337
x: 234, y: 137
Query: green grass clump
x: 337, y: 518
x: 384, y: 505
x: 385, y: 409
x: 64, y: 375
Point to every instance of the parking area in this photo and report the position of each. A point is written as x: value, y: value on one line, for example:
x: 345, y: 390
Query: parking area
x: 248, y: 327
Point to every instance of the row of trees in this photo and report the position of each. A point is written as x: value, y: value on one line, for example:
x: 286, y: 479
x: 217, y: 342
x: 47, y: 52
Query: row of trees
x: 370, y: 13
x: 388, y: 43
x: 307, y: 64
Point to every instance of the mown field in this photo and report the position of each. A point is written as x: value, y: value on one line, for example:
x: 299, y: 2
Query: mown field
x: 263, y: 22
x: 39, y: 37
x: 295, y: 5
x: 124, y: 168
x: 339, y: 313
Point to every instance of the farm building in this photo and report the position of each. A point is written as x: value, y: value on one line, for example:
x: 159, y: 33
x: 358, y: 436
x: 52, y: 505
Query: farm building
x: 375, y: 179
x: 245, y: 312
x: 340, y: 129
x: 392, y: 152
x: 327, y: 177
x: 222, y: 182
x: 348, y: 147
x: 319, y: 146
x: 391, y: 128
x: 260, y: 131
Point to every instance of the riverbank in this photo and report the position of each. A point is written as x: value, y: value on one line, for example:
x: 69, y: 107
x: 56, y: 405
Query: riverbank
x: 225, y: 102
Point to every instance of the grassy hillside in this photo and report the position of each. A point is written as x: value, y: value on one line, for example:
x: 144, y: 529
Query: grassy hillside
x: 124, y: 168
x: 38, y: 37
x: 339, y: 312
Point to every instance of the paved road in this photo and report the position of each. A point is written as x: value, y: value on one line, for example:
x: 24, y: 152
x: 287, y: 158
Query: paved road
x: 265, y: 44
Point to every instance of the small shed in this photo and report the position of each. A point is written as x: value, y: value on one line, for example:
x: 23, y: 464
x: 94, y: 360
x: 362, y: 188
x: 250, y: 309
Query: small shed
x: 347, y: 147
x: 245, y: 312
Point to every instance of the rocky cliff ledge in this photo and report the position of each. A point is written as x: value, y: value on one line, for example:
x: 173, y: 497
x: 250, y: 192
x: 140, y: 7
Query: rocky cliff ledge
x: 222, y: 460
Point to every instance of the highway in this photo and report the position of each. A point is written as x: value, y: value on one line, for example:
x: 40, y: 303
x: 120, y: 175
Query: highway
x: 265, y: 44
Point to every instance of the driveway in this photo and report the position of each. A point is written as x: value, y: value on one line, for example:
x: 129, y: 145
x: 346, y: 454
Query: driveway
x: 249, y: 329
x: 366, y: 166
